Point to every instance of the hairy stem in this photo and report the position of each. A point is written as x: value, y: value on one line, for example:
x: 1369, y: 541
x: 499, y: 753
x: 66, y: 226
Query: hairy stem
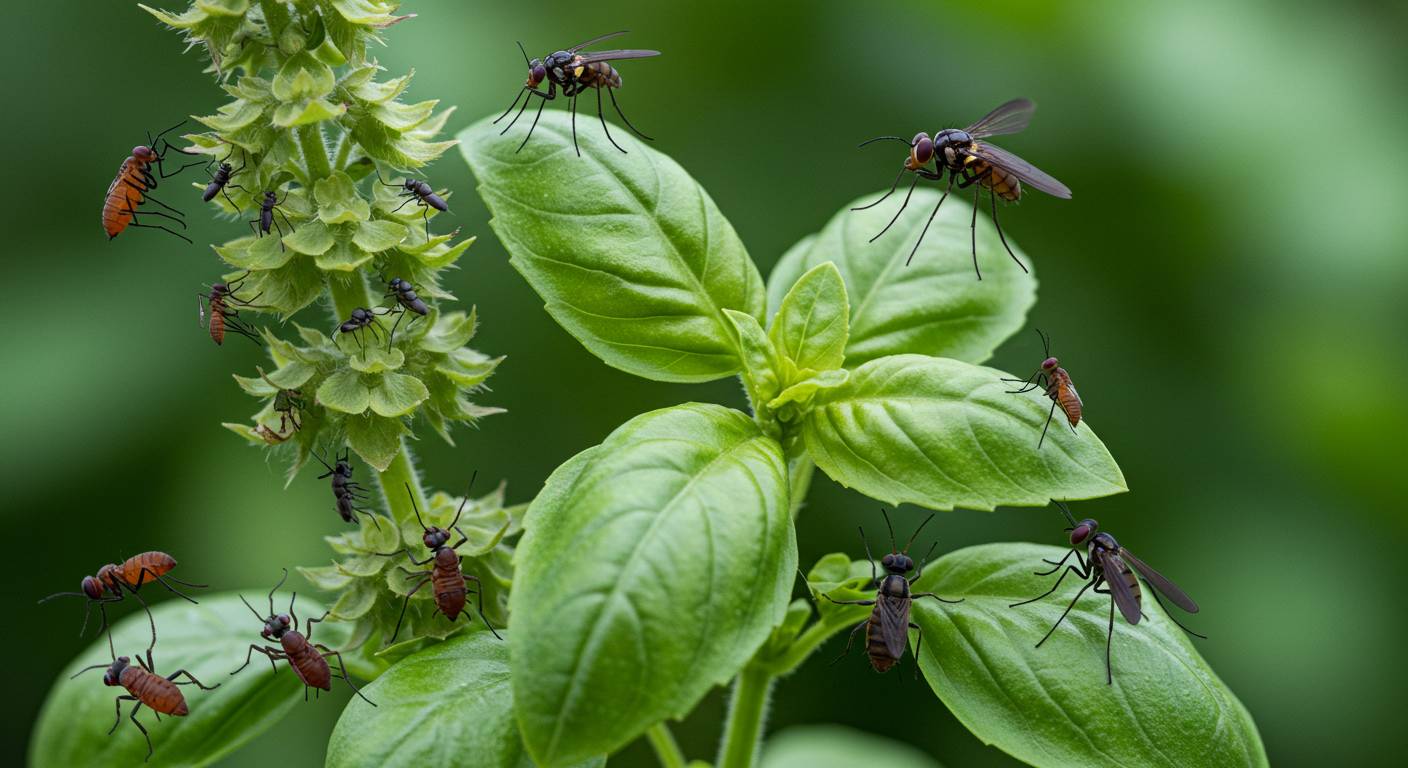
x: 807, y: 643
x: 747, y: 708
x: 402, y: 473
x: 666, y: 748
x: 315, y: 152
x: 348, y: 293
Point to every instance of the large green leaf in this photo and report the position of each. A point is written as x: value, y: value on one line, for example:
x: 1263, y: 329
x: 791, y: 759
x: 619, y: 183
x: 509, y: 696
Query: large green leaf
x: 835, y: 746
x: 652, y: 568
x: 630, y: 254
x: 450, y: 704
x: 1050, y: 706
x: 934, y: 306
x: 210, y: 640
x: 942, y: 434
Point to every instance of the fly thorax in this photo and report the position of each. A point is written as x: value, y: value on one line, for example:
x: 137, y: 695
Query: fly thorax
x: 894, y: 586
x: 446, y: 557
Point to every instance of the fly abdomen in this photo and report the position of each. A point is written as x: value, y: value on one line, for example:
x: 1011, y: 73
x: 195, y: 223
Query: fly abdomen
x: 310, y: 665
x: 600, y: 74
x: 450, y: 591
x: 1002, y: 183
x: 880, y: 658
x: 155, y: 691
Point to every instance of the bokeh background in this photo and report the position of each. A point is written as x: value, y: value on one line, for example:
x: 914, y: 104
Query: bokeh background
x: 1228, y: 287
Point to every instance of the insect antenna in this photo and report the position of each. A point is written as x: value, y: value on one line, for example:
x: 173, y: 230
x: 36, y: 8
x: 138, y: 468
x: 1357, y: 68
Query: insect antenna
x: 1065, y: 510
x: 383, y: 181
x: 1045, y: 341
x: 916, y: 534
x: 89, y: 669
x: 885, y: 138
x: 466, y: 498
x: 326, y: 466
x: 524, y: 52
x: 903, y: 205
x: 276, y: 589
x: 251, y: 608
x: 412, y: 497
x: 890, y: 528
x: 60, y: 594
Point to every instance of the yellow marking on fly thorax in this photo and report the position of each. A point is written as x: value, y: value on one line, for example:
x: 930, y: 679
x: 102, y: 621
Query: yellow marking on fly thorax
x: 578, y: 71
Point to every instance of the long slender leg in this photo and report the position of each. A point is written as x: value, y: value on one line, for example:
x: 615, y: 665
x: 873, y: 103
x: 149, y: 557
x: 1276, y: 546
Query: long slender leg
x: 1169, y: 614
x: 552, y: 93
x: 574, y: 125
x: 410, y: 198
x: 157, y: 578
x: 177, y: 219
x: 918, y: 644
x: 1057, y: 565
x: 612, y: 93
x: 1054, y: 587
x: 930, y: 221
x: 918, y: 595
x: 172, y: 677
x: 973, y: 228
x: 1064, y: 613
x: 874, y: 577
x: 117, y: 707
x: 896, y: 217
x: 406, y: 605
x: 1109, y: 641
x: 546, y: 97
x: 149, y: 199
x: 1049, y: 416
x: 1004, y: 237
x: 848, y: 602
x: 425, y: 216
x: 133, y: 717
x: 272, y: 654
x: 342, y: 668
x: 602, y: 118
x: 513, y: 104
x: 893, y: 186
x: 849, y: 640
x: 479, y: 593
x: 311, y: 622
x: 1027, y: 382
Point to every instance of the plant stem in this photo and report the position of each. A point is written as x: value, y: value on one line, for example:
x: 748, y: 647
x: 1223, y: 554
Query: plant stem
x: 344, y: 150
x: 402, y: 473
x: 799, y: 480
x: 746, y: 709
x: 666, y: 748
x: 819, y: 632
x: 347, y: 294
x: 315, y: 152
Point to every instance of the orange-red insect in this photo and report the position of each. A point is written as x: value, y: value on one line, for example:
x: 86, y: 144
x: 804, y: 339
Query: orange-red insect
x: 115, y: 580
x: 1058, y: 386
x: 308, y: 659
x: 145, y: 686
x: 223, y: 315
x: 133, y: 185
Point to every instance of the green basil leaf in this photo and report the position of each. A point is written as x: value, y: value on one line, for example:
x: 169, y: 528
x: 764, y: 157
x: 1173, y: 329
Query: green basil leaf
x: 762, y: 369
x: 653, y: 566
x: 835, y: 746
x: 942, y: 434
x: 209, y: 640
x: 1050, y: 706
x: 936, y: 305
x: 630, y: 254
x: 450, y: 704
x: 813, y: 321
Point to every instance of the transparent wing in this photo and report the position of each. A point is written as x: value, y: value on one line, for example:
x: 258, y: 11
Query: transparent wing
x: 1019, y: 168
x: 894, y: 623
x: 1115, y: 571
x: 1011, y: 117
x: 628, y: 53
x: 1160, y: 582
x: 597, y: 39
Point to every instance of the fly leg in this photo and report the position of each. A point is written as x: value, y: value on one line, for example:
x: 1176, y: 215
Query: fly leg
x: 849, y: 640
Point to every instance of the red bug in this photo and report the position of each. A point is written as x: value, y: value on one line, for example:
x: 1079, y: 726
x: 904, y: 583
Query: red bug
x: 308, y: 659
x: 451, y: 583
x: 115, y: 580
x: 144, y: 686
x: 1057, y: 383
x: 223, y: 313
x: 133, y: 184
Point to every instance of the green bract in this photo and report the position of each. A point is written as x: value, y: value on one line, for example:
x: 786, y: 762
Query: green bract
x: 210, y: 640
x: 1050, y: 705
x: 636, y: 261
x: 450, y: 704
x: 654, y: 565
x: 834, y: 746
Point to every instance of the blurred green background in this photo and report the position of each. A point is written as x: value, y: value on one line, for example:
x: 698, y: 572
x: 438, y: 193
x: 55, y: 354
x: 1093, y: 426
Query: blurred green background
x: 1227, y: 286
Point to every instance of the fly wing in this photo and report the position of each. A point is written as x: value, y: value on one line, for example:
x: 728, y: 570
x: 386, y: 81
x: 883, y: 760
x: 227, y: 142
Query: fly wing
x: 1115, y: 570
x: 1011, y: 117
x: 1160, y: 582
x: 627, y: 53
x: 1020, y: 168
x: 1072, y: 389
x: 894, y: 623
x: 597, y: 39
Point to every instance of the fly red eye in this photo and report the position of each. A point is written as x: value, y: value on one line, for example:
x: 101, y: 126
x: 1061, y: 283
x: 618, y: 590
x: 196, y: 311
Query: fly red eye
x: 923, y: 149
x: 536, y: 74
x: 1080, y: 533
x: 1050, y: 364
